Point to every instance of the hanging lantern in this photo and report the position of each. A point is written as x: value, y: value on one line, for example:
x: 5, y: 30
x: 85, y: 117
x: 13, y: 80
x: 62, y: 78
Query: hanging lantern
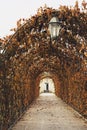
x: 54, y: 27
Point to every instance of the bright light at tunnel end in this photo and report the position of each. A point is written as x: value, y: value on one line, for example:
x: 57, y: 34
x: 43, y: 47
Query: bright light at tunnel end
x: 47, y: 86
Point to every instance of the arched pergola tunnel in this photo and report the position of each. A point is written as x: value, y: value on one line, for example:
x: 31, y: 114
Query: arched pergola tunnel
x: 50, y: 79
x: 30, y: 56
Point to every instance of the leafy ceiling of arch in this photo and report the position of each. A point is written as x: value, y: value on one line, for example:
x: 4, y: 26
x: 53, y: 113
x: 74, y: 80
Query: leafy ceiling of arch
x: 31, y: 41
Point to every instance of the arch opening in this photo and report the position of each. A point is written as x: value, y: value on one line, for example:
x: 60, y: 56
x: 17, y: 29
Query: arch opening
x: 47, y: 83
x: 46, y: 86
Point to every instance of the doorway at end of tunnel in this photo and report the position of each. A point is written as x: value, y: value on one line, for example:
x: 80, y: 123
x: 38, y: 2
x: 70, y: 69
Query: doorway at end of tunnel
x: 47, y: 85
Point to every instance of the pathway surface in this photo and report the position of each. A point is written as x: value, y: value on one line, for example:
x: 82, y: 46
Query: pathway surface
x: 49, y: 112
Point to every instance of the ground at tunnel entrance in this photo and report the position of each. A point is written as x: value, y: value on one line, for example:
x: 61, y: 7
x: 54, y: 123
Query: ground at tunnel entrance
x: 49, y: 112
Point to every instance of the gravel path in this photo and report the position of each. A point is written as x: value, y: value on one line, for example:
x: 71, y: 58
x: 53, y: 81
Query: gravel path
x: 49, y: 112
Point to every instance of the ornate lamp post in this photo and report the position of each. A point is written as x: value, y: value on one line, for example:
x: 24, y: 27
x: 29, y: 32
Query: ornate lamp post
x: 54, y: 27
